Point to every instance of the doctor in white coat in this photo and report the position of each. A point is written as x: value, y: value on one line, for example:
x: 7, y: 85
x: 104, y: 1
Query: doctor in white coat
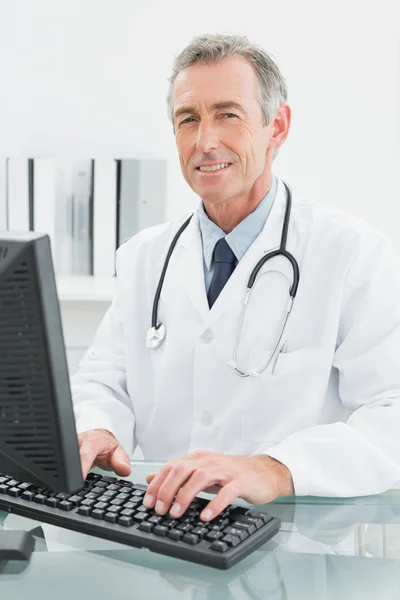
x: 324, y: 417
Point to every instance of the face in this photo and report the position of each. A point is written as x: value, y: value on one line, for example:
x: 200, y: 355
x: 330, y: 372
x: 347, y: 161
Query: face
x: 219, y: 129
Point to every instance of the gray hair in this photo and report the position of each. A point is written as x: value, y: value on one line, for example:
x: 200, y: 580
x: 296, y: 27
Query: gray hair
x: 212, y: 48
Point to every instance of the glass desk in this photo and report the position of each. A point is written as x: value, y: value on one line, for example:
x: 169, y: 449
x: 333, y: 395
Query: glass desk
x: 327, y: 549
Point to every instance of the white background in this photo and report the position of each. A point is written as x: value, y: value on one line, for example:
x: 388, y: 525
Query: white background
x: 89, y: 78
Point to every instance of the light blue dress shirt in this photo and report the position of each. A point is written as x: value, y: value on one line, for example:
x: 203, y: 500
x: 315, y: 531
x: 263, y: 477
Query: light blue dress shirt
x: 240, y: 238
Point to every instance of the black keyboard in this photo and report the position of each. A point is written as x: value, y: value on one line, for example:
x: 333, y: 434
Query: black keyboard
x: 112, y: 508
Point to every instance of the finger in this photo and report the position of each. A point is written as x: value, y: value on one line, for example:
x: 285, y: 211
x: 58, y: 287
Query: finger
x: 200, y: 480
x: 225, y: 496
x: 166, y: 492
x: 150, y: 497
x: 88, y: 453
x: 150, y: 477
x: 120, y: 463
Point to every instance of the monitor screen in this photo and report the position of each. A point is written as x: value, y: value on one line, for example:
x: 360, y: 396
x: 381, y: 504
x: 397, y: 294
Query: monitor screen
x: 38, y: 440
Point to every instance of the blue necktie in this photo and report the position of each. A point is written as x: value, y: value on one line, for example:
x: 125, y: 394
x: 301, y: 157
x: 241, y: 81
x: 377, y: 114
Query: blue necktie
x: 225, y: 262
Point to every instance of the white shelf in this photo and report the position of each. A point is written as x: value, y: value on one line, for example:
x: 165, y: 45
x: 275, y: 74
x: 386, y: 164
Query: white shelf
x: 81, y: 288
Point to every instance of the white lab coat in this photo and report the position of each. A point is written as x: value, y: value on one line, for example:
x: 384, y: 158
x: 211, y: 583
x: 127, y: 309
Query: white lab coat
x: 330, y: 411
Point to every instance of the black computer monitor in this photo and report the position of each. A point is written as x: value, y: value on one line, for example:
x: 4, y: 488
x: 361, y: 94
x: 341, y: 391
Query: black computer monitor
x: 38, y: 441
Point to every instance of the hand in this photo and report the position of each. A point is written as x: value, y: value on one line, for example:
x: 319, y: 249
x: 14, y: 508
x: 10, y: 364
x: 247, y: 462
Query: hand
x: 256, y: 479
x: 100, y: 448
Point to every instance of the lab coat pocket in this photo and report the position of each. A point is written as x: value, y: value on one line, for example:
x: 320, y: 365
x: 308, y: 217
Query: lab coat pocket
x: 286, y: 397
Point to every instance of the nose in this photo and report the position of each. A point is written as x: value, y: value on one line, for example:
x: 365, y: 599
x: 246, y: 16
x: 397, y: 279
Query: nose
x: 207, y: 137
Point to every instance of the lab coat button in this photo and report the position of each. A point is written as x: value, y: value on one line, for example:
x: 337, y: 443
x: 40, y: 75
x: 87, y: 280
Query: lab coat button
x: 206, y: 419
x: 207, y: 336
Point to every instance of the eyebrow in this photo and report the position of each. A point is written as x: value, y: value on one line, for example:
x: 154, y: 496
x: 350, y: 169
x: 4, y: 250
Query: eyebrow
x: 186, y: 110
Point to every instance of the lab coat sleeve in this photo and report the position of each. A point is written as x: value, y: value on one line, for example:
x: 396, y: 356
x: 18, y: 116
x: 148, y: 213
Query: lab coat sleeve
x: 362, y: 455
x: 99, y: 387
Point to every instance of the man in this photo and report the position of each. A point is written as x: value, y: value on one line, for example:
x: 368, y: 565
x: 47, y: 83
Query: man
x: 323, y: 418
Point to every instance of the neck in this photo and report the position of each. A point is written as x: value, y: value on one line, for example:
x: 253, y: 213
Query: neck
x: 230, y: 212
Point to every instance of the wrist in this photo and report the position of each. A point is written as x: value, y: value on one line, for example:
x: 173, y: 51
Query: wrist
x: 283, y: 477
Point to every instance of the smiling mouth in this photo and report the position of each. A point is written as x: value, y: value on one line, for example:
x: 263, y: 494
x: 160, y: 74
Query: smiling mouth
x: 213, y: 168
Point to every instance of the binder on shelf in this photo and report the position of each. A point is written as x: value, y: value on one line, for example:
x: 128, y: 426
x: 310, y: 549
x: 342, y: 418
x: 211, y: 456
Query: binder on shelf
x: 104, y: 217
x: 63, y: 204
x: 19, y: 198
x: 141, y: 195
x: 3, y: 194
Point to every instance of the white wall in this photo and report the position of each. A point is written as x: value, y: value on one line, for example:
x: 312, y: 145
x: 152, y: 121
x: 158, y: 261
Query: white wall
x: 89, y: 78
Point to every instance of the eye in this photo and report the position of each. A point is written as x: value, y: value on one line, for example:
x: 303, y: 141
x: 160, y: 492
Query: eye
x: 229, y: 115
x: 187, y: 120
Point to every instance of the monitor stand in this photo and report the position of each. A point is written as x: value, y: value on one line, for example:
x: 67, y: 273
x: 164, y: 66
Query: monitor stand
x: 16, y: 545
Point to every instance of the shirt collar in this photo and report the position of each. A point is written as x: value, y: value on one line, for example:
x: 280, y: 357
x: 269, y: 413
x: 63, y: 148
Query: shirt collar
x: 243, y: 235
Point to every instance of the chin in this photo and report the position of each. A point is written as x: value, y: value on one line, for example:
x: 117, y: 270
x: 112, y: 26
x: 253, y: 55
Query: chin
x: 215, y: 197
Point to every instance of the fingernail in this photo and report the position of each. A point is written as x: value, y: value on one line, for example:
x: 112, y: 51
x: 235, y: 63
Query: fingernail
x: 148, y: 500
x: 207, y: 515
x: 160, y: 507
x: 175, y: 510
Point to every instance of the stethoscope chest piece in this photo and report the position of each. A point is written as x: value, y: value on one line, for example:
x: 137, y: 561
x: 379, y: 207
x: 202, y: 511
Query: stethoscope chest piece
x: 155, y: 336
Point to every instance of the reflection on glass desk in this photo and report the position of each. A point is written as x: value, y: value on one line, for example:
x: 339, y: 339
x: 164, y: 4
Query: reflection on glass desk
x: 327, y: 548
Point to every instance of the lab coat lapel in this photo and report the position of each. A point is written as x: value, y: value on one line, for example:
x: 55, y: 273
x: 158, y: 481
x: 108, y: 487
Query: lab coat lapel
x: 268, y: 240
x: 193, y: 283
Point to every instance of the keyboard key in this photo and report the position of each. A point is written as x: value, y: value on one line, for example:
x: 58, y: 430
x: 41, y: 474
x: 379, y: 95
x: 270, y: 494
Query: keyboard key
x: 130, y: 504
x: 102, y: 484
x: 53, y: 502
x: 139, y: 493
x: 240, y: 533
x: 110, y: 517
x: 200, y: 531
x: 160, y: 530
x: 169, y: 522
x: 39, y: 499
x: 146, y: 526
x: 123, y: 496
x: 249, y: 527
x: 116, y: 502
x: 125, y: 521
x: 259, y: 515
x: 191, y: 538
x: 110, y: 493
x: 113, y: 488
x: 219, y: 546
x: 127, y: 512
x: 213, y: 535
x: 84, y: 510
x: 103, y: 499
x: 139, y: 517
x: 175, y: 534
x: 28, y: 495
x: 90, y: 496
x: 155, y: 519
x: 88, y: 502
x: 186, y: 527
x: 114, y: 509
x: 14, y: 491
x: 97, y: 490
x: 76, y: 500
x: 109, y: 479
x: 97, y: 513
x: 66, y: 505
x: 13, y: 482
x: 3, y: 488
x: 143, y: 508
x: 231, y: 540
x: 3, y: 479
x: 23, y: 486
x: 100, y: 505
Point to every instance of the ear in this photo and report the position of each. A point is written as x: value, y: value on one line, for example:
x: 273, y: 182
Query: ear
x: 280, y: 127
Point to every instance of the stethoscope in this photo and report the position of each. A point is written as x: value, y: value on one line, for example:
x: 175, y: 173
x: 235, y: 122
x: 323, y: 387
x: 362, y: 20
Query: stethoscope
x: 156, y: 333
